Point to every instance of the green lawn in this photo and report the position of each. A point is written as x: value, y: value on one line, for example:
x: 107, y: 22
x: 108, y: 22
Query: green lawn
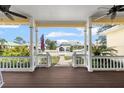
x: 55, y: 59
x: 68, y: 57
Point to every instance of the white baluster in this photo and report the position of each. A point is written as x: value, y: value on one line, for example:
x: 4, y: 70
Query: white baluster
x: 104, y: 63
x: 107, y: 63
x: 97, y: 63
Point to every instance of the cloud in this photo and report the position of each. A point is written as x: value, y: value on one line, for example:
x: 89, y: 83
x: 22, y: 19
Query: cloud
x: 61, y: 40
x: 9, y: 26
x: 94, y: 30
x: 81, y: 30
x: 60, y: 34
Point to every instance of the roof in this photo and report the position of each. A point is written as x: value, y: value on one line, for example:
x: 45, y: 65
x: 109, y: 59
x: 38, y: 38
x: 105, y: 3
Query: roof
x: 71, y: 43
x: 65, y: 44
x: 112, y: 29
x: 13, y: 44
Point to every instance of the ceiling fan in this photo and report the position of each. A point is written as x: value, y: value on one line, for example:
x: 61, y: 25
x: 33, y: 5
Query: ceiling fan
x: 6, y: 10
x: 112, y: 12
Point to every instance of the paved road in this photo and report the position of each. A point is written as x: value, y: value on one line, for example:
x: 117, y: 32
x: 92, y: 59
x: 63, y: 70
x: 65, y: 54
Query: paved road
x: 62, y: 62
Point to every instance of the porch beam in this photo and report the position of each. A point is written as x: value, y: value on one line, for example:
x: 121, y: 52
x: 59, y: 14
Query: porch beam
x: 79, y: 24
x: 108, y: 21
x: 16, y: 21
x: 89, y: 26
x: 102, y: 21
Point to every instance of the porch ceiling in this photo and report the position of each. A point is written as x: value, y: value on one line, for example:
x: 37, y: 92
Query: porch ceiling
x: 60, y: 15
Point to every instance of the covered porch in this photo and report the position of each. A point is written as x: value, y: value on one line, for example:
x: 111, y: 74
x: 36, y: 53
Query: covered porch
x: 62, y: 16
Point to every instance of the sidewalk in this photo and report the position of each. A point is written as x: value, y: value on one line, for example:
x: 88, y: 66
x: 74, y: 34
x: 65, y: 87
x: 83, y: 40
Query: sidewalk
x: 63, y: 63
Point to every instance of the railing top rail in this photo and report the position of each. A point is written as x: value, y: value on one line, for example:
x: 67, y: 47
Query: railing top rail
x: 14, y: 56
x: 42, y: 55
x: 107, y: 56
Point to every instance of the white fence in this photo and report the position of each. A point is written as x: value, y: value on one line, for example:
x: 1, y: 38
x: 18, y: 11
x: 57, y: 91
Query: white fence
x: 78, y: 60
x: 108, y: 63
x: 15, y: 64
x: 100, y: 63
x: 1, y: 80
x: 44, y: 60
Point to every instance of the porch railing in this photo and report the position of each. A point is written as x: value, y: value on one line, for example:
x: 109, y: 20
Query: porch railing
x: 15, y: 64
x: 108, y: 63
x: 1, y: 80
x: 44, y: 60
x: 78, y: 60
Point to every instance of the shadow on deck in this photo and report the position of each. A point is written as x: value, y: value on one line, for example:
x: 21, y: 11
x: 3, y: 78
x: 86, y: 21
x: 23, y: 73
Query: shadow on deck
x: 63, y: 77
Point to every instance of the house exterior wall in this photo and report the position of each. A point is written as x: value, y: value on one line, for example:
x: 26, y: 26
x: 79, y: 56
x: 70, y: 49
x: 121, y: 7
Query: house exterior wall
x: 116, y: 40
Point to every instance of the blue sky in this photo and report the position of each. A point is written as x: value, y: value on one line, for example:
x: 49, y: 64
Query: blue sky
x: 60, y: 34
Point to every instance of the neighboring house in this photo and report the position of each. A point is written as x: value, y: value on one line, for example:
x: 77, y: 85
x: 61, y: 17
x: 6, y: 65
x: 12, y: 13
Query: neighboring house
x: 12, y: 44
x: 65, y: 46
x: 115, y: 38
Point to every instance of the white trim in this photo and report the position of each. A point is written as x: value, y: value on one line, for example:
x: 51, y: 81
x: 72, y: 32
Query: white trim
x: 17, y: 69
x: 113, y: 29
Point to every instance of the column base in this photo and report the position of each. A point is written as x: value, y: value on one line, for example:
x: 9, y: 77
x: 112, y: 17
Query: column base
x: 90, y: 70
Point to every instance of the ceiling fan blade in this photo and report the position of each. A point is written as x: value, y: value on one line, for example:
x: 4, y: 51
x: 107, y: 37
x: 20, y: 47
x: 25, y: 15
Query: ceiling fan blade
x: 121, y: 10
x: 17, y: 14
x: 113, y: 15
x: 100, y: 17
x: 9, y: 16
x: 4, y: 8
x: 99, y: 8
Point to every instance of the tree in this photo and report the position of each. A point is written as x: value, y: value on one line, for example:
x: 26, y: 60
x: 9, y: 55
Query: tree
x: 103, y: 51
x: 71, y: 49
x: 51, y: 44
x: 17, y: 51
x: 19, y: 40
x: 2, y: 42
x: 101, y: 48
x: 102, y: 39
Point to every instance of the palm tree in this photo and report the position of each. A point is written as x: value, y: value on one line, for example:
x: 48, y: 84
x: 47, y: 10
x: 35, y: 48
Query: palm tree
x: 103, y: 51
x: 2, y: 42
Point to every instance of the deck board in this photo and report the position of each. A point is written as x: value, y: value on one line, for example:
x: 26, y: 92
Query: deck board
x: 63, y: 77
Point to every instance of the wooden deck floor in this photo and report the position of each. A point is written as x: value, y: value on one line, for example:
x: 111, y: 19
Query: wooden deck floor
x: 63, y: 77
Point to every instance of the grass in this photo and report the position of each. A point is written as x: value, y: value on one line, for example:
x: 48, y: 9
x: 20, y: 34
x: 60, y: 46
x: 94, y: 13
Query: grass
x: 67, y: 57
x: 55, y: 60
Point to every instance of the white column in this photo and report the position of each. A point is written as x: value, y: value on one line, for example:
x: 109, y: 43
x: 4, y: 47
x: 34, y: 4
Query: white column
x: 36, y: 45
x: 32, y: 29
x: 89, y: 44
x: 85, y: 47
